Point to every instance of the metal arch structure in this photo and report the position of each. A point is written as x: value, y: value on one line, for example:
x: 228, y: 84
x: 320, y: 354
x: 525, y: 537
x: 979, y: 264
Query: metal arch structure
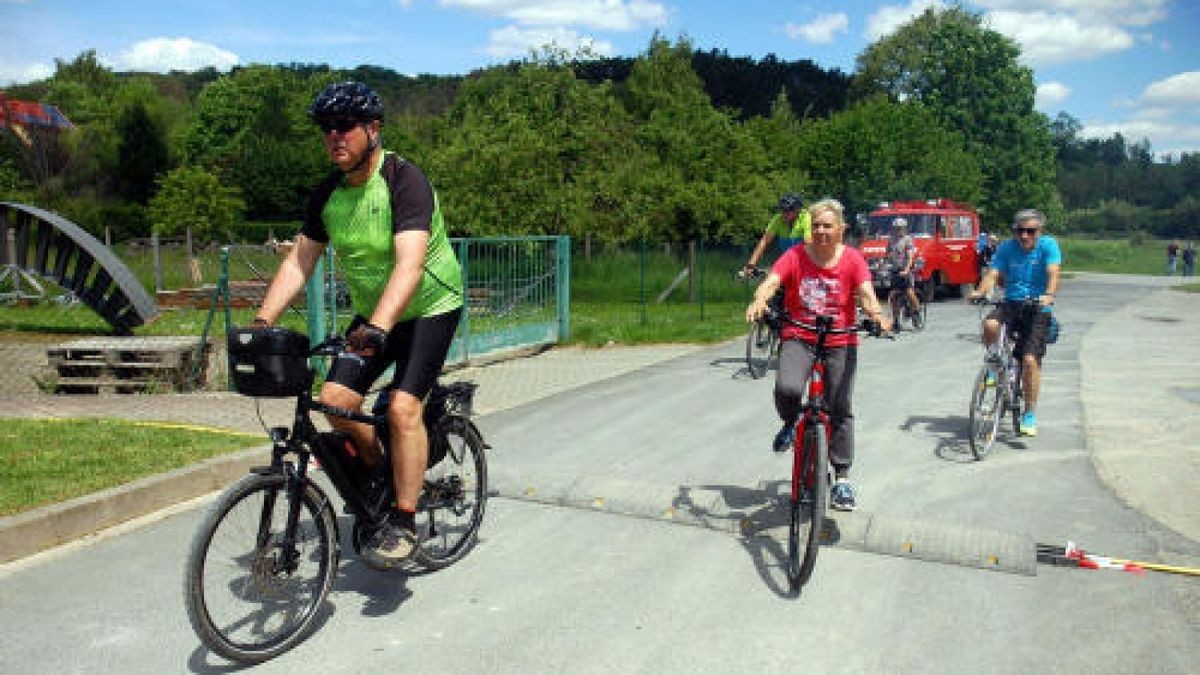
x: 69, y: 256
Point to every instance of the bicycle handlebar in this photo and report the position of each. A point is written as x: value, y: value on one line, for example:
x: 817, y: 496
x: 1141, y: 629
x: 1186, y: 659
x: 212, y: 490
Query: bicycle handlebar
x: 752, y: 273
x: 824, y: 325
x: 1023, y: 303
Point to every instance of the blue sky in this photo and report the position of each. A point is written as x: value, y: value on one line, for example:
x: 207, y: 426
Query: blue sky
x: 1116, y: 65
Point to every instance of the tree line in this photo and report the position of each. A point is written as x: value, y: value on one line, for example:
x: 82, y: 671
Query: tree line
x: 673, y: 144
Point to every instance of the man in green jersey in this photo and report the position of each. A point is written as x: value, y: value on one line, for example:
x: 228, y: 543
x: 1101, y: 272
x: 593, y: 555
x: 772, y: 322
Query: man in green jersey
x: 382, y: 216
x: 792, y: 225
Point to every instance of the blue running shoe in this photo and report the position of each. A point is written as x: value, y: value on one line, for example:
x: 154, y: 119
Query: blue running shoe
x: 1029, y: 424
x: 841, y: 497
x: 785, y: 438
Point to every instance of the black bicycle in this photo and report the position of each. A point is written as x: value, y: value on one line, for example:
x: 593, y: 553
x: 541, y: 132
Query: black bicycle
x: 266, y: 553
x: 997, y: 390
x: 762, y: 342
x: 904, y: 312
x: 810, y: 464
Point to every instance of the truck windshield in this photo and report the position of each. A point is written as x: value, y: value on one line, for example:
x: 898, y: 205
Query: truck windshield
x: 919, y: 224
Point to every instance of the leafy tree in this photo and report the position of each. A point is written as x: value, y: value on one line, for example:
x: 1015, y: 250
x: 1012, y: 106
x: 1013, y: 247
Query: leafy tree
x: 969, y: 77
x: 252, y: 127
x: 194, y: 200
x: 711, y: 176
x: 254, y: 102
x: 879, y: 150
x: 525, y: 150
x: 141, y: 153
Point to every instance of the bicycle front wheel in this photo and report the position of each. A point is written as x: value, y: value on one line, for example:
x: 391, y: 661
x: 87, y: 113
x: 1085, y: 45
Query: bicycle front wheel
x: 250, y: 594
x: 760, y: 343
x: 808, y: 510
x: 452, y: 503
x: 987, y: 407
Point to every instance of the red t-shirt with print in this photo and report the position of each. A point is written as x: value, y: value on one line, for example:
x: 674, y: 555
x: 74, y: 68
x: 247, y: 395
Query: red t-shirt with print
x: 810, y: 290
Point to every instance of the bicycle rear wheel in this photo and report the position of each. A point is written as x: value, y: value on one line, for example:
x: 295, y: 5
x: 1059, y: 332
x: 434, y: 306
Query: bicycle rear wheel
x: 452, y: 502
x: 920, y: 316
x: 808, y: 511
x: 760, y: 343
x: 987, y: 406
x: 249, y: 596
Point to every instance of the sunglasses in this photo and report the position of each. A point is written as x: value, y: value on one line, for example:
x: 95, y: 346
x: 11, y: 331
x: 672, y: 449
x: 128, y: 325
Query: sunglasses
x: 340, y: 125
x: 1026, y: 230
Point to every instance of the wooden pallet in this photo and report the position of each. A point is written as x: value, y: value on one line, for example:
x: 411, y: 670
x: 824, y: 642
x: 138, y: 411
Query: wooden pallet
x: 128, y: 365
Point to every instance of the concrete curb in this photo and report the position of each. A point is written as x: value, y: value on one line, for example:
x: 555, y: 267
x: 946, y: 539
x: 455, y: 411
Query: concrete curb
x: 34, y: 531
x: 925, y: 540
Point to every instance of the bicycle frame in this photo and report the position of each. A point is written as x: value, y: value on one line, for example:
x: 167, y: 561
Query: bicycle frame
x: 813, y: 413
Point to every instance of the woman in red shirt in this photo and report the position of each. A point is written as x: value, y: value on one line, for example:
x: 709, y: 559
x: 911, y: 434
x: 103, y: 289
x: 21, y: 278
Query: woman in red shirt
x: 823, y: 277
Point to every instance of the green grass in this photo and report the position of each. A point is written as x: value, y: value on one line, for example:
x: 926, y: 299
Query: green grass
x: 1116, y: 256
x: 626, y: 323
x: 47, y: 461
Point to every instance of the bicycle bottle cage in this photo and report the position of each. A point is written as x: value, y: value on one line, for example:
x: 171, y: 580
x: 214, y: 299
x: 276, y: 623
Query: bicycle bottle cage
x: 268, y: 362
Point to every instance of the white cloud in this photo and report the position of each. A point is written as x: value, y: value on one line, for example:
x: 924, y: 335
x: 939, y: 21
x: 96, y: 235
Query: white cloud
x: 1137, y: 129
x: 1119, y: 12
x: 1051, y: 94
x: 822, y: 30
x: 515, y: 42
x: 614, y: 15
x: 1178, y: 91
x: 161, y: 55
x: 1056, y: 38
x: 12, y: 73
x: 890, y: 17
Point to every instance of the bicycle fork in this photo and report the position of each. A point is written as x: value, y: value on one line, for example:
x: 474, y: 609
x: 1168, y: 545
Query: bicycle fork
x: 804, y: 463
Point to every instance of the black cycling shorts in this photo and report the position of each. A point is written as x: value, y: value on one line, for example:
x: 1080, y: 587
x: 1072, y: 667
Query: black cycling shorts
x: 902, y: 282
x: 418, y: 348
x: 1031, y: 325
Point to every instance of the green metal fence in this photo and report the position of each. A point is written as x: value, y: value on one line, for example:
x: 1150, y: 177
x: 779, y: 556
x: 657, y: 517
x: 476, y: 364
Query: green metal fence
x: 517, y: 295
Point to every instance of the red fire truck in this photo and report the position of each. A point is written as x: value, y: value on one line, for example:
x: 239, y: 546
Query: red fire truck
x: 945, y: 233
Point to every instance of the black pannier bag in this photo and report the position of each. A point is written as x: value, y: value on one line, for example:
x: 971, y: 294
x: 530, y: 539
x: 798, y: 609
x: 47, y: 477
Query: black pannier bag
x: 270, y: 362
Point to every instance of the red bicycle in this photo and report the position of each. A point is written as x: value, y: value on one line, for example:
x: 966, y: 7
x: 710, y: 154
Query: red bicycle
x: 810, y: 457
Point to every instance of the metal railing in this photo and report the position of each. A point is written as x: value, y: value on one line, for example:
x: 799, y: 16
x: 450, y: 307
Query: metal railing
x: 517, y: 295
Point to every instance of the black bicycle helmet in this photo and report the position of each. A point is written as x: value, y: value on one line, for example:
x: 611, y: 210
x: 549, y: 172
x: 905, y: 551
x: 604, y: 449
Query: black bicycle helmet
x: 790, y: 202
x: 346, y: 99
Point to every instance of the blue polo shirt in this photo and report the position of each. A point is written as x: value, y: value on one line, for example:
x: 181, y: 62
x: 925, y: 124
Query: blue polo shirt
x: 1024, y: 273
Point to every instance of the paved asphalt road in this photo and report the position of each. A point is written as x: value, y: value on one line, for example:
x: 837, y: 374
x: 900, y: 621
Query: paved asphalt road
x: 559, y: 589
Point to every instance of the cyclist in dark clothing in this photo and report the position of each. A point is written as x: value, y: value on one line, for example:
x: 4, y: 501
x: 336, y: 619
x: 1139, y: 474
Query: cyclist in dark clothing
x: 382, y: 216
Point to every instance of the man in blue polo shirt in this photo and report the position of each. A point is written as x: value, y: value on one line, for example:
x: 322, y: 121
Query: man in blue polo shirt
x: 1028, y: 265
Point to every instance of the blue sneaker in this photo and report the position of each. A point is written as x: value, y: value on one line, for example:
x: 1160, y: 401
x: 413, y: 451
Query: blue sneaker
x: 785, y: 438
x: 841, y: 497
x: 989, y: 380
x: 1028, y: 424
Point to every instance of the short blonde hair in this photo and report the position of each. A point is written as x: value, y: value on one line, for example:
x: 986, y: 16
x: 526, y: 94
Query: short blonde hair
x: 828, y: 204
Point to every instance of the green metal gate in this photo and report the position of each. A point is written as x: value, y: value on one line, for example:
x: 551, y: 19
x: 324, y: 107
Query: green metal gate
x: 517, y: 295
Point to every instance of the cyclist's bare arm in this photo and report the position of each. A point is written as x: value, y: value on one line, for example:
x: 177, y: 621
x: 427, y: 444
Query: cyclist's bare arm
x: 759, y: 249
x: 762, y: 294
x: 988, y: 282
x: 1052, y: 276
x: 295, y: 269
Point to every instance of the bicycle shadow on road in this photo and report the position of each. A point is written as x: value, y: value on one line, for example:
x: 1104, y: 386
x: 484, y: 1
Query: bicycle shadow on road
x: 743, y: 371
x: 198, y: 661
x: 952, y: 445
x: 383, y: 591
x: 751, y: 514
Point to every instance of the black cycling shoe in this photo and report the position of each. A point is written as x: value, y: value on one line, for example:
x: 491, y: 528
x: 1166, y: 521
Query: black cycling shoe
x: 785, y: 438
